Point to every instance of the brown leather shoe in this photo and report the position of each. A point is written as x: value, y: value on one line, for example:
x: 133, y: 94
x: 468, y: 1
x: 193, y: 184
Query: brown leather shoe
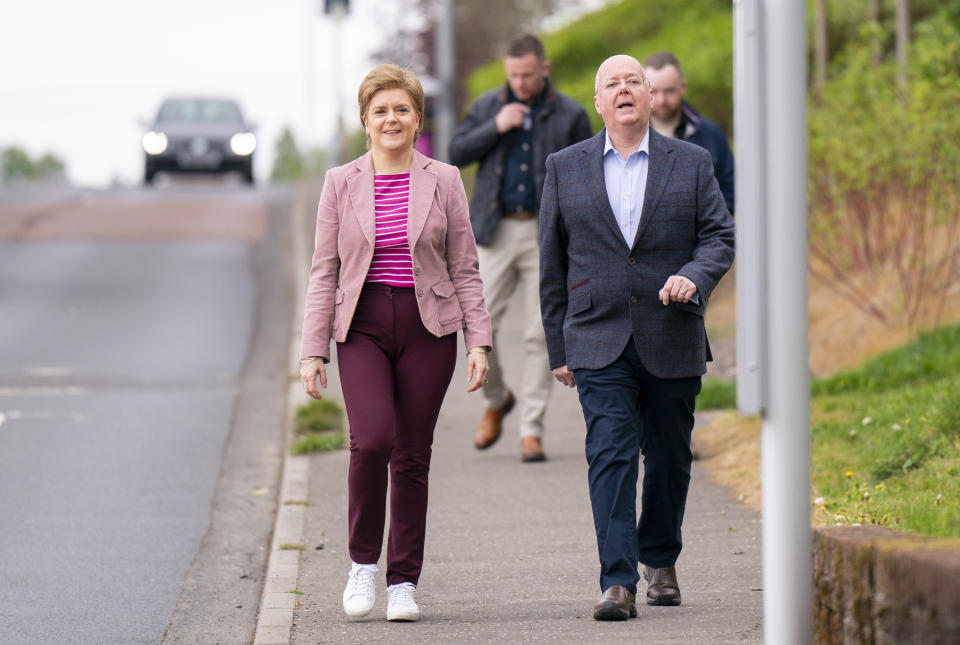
x: 616, y: 604
x: 532, y: 450
x: 491, y: 425
x: 662, y: 588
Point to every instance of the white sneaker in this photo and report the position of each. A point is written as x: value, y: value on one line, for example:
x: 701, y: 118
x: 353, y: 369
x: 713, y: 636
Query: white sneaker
x: 400, y: 603
x: 359, y: 594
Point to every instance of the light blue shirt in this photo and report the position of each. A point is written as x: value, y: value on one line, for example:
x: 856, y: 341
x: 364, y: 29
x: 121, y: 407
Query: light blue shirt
x: 626, y: 182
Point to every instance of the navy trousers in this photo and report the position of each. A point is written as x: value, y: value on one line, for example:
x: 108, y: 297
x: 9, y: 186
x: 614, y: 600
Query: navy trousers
x: 629, y: 412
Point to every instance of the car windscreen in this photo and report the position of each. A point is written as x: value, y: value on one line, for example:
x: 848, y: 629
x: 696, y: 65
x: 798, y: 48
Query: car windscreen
x: 199, y: 111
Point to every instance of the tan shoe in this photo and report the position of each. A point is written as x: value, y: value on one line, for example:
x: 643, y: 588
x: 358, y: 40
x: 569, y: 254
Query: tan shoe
x: 491, y: 425
x: 532, y: 450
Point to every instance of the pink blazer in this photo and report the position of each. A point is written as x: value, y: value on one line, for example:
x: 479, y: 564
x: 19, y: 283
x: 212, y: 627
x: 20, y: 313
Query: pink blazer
x: 445, y: 265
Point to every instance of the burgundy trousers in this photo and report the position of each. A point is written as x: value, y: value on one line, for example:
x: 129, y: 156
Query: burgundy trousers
x: 394, y: 375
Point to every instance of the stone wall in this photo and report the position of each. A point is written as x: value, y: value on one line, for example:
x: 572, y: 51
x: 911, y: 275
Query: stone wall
x: 874, y: 586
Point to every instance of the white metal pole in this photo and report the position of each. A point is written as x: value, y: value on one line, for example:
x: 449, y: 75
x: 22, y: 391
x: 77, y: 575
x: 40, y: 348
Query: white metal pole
x: 787, y: 559
x: 309, y: 75
x: 339, y: 145
x: 445, y: 116
x: 750, y: 178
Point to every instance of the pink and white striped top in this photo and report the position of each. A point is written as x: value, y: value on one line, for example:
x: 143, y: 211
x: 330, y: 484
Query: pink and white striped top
x: 392, y: 263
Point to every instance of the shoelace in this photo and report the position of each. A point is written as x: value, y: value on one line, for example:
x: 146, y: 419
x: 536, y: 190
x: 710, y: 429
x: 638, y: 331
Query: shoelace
x: 402, y: 594
x: 362, y: 583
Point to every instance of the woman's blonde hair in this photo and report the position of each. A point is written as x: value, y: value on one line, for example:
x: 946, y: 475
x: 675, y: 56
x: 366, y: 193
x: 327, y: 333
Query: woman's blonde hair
x: 388, y: 77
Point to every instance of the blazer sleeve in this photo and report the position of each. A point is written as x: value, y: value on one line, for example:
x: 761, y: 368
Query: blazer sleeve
x: 464, y: 267
x: 553, y: 267
x: 714, y: 251
x: 324, y: 274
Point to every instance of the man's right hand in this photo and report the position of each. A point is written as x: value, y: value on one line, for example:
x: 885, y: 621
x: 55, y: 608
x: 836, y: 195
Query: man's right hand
x: 510, y: 116
x: 565, y: 376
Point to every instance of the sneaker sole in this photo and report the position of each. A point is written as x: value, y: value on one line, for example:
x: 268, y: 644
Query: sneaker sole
x: 403, y: 618
x: 357, y: 614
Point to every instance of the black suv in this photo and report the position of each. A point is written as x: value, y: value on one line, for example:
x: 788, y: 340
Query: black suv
x: 199, y: 135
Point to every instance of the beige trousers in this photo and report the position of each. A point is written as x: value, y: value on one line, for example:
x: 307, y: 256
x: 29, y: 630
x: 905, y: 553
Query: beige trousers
x: 512, y: 262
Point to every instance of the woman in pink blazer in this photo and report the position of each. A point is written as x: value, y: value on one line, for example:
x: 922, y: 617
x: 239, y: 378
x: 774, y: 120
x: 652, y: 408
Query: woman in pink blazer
x: 394, y: 277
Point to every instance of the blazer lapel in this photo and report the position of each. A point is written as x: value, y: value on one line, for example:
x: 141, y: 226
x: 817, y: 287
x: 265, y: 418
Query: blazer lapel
x: 423, y: 186
x: 360, y: 188
x: 658, y: 173
x: 591, y: 162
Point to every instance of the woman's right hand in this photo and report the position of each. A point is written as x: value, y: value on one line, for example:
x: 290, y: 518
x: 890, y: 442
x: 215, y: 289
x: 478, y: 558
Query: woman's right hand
x: 309, y: 372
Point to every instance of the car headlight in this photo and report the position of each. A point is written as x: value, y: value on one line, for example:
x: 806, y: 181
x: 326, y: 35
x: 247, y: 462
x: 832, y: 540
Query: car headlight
x: 154, y: 143
x: 243, y: 143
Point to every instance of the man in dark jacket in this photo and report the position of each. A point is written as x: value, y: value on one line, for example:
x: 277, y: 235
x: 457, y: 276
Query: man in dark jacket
x: 673, y: 117
x: 510, y: 131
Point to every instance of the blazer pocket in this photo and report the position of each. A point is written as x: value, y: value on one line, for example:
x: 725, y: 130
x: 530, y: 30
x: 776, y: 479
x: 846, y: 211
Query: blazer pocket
x: 690, y: 307
x: 448, y: 305
x: 337, y: 308
x: 579, y: 302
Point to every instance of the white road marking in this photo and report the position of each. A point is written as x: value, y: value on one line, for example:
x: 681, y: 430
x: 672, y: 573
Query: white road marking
x: 50, y: 371
x: 41, y: 390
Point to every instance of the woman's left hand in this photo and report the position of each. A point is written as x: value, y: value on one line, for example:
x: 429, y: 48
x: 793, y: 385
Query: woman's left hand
x: 477, y: 368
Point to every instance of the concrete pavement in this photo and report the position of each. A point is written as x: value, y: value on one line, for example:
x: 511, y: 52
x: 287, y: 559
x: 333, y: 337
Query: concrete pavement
x: 511, y: 552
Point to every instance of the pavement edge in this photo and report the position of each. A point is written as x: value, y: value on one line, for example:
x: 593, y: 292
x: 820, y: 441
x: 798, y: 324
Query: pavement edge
x: 279, y: 597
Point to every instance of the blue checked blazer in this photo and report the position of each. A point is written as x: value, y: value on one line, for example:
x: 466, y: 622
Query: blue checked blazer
x: 596, y: 292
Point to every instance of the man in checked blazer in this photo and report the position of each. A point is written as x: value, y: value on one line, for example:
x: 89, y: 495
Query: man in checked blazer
x: 634, y: 235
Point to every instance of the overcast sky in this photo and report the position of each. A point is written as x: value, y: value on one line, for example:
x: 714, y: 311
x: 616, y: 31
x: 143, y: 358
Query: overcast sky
x: 76, y: 78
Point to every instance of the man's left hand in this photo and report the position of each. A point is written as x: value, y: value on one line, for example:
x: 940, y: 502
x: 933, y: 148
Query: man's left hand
x: 677, y: 289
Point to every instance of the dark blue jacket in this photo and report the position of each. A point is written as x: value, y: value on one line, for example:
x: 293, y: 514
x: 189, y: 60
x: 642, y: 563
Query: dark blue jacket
x: 707, y: 134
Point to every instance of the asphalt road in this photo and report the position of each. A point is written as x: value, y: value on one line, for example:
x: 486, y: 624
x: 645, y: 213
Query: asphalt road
x: 128, y: 320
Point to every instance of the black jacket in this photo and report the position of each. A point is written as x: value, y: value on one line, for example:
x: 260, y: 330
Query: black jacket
x: 560, y: 123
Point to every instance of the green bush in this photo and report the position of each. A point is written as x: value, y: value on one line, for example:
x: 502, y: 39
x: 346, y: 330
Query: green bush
x: 699, y: 32
x: 884, y: 180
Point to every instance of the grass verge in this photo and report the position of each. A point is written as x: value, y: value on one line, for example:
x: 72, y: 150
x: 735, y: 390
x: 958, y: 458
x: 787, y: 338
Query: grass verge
x: 885, y: 441
x: 318, y: 427
x: 717, y: 394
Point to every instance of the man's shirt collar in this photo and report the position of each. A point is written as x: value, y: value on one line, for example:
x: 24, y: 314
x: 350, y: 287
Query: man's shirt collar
x: 644, y: 145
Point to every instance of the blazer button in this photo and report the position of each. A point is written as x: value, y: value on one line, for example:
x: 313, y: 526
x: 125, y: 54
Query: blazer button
x: 633, y: 299
x: 631, y: 261
x: 419, y: 293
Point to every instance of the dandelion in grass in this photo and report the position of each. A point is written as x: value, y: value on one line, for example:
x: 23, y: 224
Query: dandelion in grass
x: 838, y: 517
x: 895, y: 427
x: 866, y: 494
x: 938, y: 498
x: 819, y: 502
x: 853, y: 433
x: 866, y: 421
x: 848, y: 474
x: 879, y: 486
